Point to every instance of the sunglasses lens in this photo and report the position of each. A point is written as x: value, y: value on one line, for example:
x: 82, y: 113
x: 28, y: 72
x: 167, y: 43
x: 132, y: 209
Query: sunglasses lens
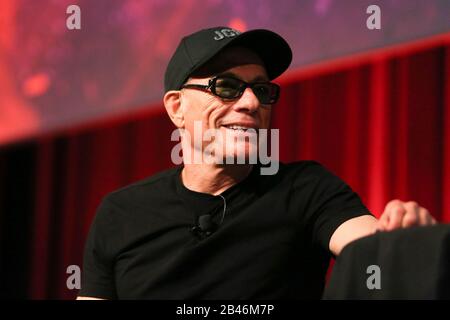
x: 228, y: 88
x: 267, y: 93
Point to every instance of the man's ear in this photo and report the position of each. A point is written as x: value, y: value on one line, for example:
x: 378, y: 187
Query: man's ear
x: 172, y: 102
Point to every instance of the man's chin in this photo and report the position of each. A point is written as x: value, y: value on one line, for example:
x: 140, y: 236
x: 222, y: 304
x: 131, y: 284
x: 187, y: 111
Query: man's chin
x: 241, y: 157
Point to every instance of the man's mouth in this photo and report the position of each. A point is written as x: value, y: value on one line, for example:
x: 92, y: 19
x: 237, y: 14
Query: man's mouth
x: 241, y: 126
x: 237, y: 128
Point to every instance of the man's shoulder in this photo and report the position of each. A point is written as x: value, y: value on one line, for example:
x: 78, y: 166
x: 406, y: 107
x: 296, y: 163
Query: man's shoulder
x: 305, y: 172
x: 293, y: 173
x: 302, y: 167
x: 158, y: 184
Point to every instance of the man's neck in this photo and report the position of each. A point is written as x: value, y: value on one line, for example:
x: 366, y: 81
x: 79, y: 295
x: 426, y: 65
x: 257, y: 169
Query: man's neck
x: 213, y: 179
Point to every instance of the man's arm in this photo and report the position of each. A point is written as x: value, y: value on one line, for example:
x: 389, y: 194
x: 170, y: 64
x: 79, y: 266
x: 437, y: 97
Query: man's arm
x: 397, y: 214
x: 351, y: 230
x: 89, y: 298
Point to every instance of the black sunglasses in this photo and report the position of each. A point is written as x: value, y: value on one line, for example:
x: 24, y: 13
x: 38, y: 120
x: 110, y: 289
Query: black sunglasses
x: 229, y: 88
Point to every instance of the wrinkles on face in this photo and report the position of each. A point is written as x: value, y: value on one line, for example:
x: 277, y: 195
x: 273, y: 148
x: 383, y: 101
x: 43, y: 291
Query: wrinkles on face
x: 213, y: 112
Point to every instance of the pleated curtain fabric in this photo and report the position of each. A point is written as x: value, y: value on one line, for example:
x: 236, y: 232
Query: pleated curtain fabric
x: 382, y: 125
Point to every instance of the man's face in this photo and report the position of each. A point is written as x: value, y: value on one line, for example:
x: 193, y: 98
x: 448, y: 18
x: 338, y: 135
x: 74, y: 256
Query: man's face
x: 225, y: 115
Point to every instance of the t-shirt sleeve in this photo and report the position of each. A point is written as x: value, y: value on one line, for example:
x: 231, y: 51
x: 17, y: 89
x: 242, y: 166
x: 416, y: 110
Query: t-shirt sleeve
x: 98, y: 262
x: 331, y: 202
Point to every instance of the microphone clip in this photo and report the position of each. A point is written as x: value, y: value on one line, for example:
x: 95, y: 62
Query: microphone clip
x: 205, y: 227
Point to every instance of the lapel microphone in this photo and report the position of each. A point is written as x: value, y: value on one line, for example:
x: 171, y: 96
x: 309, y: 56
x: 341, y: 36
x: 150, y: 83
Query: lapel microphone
x: 206, y: 226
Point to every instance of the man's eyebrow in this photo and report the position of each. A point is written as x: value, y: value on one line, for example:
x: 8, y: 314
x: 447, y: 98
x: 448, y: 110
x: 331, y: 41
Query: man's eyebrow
x: 258, y: 78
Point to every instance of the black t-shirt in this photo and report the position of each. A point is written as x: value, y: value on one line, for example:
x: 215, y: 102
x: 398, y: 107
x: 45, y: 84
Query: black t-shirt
x: 272, y: 241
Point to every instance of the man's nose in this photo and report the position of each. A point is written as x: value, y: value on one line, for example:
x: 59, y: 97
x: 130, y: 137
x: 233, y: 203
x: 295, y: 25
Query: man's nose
x: 248, y: 102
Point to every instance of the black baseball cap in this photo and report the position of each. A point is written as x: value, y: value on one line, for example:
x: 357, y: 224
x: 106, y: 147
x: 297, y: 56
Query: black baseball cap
x: 200, y: 47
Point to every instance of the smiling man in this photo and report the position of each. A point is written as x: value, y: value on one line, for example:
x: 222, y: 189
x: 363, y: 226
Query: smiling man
x: 221, y: 229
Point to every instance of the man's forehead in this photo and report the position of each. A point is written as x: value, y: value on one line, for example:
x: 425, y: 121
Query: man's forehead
x: 228, y: 58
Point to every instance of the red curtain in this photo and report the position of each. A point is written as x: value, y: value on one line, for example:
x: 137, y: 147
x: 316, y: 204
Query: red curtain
x: 380, y: 122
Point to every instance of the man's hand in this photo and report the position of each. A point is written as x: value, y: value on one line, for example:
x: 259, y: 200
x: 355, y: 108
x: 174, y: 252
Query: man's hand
x: 399, y: 214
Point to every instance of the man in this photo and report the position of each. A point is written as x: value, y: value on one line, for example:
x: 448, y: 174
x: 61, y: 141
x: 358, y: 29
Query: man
x: 221, y: 230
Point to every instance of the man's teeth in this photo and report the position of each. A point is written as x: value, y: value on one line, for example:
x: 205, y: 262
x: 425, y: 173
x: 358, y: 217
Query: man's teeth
x: 237, y: 128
